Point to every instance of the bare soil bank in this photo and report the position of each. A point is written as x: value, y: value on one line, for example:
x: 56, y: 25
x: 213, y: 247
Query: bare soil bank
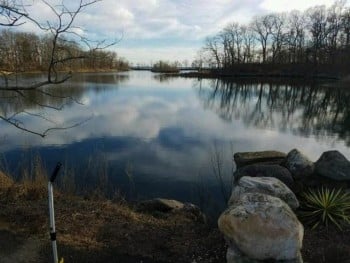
x: 98, y: 230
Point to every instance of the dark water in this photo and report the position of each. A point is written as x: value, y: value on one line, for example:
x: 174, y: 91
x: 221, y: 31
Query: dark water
x: 150, y: 136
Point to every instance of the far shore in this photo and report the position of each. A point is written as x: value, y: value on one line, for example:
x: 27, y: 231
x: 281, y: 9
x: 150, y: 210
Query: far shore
x: 108, y: 70
x: 219, y: 74
x: 269, y: 70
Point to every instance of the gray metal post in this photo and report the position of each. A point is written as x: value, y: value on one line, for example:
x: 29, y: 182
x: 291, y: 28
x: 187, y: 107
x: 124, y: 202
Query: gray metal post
x: 52, y: 213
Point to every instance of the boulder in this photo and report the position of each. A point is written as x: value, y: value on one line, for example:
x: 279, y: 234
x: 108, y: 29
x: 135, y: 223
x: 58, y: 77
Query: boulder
x: 316, y: 181
x: 333, y: 165
x: 159, y: 205
x: 298, y: 164
x: 263, y: 227
x: 265, y: 185
x: 269, y: 157
x: 263, y: 170
x: 233, y: 255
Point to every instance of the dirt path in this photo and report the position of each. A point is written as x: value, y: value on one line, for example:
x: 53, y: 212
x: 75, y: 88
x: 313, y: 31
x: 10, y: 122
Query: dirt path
x: 17, y: 248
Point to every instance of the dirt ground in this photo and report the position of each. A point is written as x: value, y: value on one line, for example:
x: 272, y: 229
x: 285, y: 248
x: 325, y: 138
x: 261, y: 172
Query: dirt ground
x: 326, y: 246
x: 100, y: 231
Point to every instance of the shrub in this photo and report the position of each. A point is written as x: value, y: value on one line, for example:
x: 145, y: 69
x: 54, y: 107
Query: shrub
x: 325, y: 206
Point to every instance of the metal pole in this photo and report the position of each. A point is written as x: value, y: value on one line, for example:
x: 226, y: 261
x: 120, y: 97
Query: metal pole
x: 52, y: 213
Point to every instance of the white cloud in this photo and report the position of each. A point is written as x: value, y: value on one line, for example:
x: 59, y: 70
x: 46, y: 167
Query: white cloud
x: 182, y: 21
x: 287, y: 5
x: 149, y: 55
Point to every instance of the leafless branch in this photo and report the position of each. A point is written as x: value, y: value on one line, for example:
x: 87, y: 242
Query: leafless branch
x: 18, y: 125
x: 67, y: 127
x: 63, y: 32
x: 60, y: 97
x: 39, y: 116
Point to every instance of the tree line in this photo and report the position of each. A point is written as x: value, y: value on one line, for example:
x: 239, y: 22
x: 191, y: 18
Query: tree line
x: 317, y: 36
x: 21, y: 52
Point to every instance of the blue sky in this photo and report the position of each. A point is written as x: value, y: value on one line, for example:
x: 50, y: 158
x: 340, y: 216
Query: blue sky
x: 150, y: 30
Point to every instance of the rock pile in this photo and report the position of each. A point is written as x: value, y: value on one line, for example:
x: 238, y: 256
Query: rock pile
x: 259, y: 223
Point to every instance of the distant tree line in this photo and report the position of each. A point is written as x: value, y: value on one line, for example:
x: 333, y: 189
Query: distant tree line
x: 165, y: 66
x: 318, y: 36
x: 20, y: 52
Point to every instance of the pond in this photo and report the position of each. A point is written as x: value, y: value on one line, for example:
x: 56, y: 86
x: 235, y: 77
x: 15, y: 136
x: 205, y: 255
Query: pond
x: 144, y: 135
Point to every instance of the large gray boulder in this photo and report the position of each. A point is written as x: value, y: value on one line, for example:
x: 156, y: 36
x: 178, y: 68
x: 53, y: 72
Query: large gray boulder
x: 263, y: 227
x: 263, y: 170
x: 298, y: 164
x: 333, y: 165
x: 247, y: 158
x: 265, y: 185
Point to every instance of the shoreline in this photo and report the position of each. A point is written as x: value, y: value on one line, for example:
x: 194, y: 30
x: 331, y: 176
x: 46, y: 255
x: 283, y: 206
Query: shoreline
x: 238, y: 75
x: 95, y: 229
x: 67, y: 71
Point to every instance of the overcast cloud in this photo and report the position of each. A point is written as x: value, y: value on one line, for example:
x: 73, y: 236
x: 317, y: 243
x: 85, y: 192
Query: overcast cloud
x: 167, y: 29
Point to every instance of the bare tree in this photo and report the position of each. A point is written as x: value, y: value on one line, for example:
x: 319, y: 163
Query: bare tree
x: 315, y: 42
x: 262, y: 26
x: 248, y: 43
x: 278, y: 35
x: 346, y: 26
x: 234, y: 35
x: 317, y: 21
x: 334, y: 24
x: 296, y: 36
x: 212, y: 47
x: 59, y: 51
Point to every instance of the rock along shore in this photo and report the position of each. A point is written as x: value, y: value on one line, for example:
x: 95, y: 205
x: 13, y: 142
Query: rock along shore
x: 259, y: 223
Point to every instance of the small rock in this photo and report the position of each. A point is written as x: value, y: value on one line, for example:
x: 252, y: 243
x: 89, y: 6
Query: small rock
x: 263, y: 227
x: 265, y: 185
x: 159, y: 205
x: 298, y: 164
x: 333, y: 165
x: 194, y: 211
x: 246, y: 158
x: 262, y: 170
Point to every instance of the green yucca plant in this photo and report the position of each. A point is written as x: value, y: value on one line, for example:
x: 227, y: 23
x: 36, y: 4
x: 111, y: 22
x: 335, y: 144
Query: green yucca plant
x: 325, y: 206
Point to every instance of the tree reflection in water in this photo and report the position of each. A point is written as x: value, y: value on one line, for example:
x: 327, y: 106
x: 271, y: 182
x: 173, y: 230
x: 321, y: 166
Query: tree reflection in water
x: 308, y: 109
x: 23, y: 107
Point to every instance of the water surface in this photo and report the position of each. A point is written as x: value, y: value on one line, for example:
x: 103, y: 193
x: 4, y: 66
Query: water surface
x: 151, y: 136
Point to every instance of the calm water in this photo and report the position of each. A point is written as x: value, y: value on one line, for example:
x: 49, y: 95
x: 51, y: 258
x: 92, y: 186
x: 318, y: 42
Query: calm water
x: 155, y: 137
